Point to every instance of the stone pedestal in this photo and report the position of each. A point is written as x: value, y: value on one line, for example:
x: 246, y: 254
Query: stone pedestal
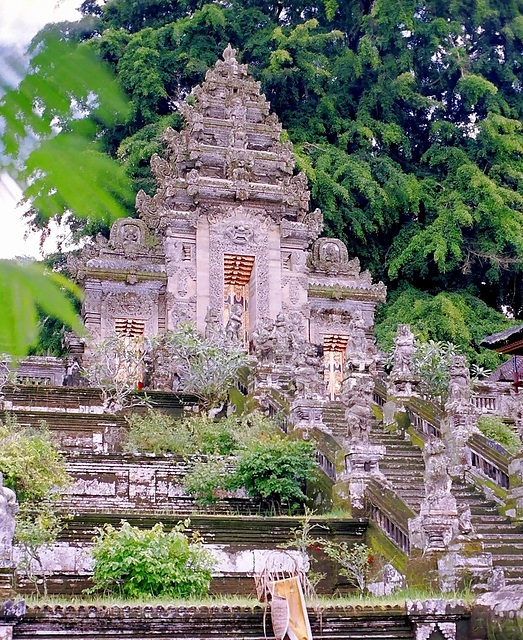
x: 361, y: 465
x: 448, y: 617
x: 307, y: 414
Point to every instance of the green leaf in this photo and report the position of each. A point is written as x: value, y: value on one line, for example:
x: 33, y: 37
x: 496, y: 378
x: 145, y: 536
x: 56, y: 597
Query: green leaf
x: 24, y: 288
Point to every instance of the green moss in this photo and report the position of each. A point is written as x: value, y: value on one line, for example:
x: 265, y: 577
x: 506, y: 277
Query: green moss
x: 379, y: 543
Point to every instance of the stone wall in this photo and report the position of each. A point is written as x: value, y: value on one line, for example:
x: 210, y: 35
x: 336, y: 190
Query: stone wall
x: 240, y: 543
x: 204, y: 622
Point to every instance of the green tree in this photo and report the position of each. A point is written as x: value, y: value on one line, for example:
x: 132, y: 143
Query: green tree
x: 406, y: 118
x: 51, y: 125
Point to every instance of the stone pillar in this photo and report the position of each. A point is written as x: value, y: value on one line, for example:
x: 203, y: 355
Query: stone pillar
x: 8, y: 510
x: 438, y: 521
x: 10, y: 613
x: 444, y: 549
x: 307, y: 414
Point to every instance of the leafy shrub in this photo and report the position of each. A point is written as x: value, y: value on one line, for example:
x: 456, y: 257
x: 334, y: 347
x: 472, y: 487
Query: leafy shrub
x: 207, y: 479
x: 494, y: 428
x: 132, y: 563
x: 276, y: 471
x: 34, y: 469
x: 431, y: 362
x: 116, y: 366
x: 207, y: 368
x: 159, y: 433
x: 355, y: 562
x: 30, y: 462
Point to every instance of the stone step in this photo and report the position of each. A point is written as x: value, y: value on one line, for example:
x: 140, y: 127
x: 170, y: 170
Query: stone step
x: 495, y: 537
x: 510, y: 548
x: 512, y: 560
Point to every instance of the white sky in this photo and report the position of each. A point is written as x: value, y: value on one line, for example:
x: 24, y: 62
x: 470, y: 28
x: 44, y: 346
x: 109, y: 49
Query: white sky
x: 20, y: 20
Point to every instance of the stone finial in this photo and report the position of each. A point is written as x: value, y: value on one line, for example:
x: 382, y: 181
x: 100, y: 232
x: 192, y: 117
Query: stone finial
x: 8, y: 510
x: 229, y: 54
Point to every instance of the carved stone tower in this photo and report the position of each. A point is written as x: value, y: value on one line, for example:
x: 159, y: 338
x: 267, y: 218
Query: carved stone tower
x: 227, y: 234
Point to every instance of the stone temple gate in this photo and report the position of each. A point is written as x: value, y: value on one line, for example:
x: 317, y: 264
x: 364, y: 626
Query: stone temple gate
x: 228, y: 237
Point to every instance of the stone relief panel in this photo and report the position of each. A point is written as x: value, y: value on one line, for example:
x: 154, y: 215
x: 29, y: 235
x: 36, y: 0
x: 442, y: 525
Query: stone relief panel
x: 129, y: 235
x: 137, y: 304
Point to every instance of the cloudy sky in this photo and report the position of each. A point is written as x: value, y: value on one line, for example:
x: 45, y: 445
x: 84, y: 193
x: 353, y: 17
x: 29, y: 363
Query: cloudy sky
x: 19, y: 21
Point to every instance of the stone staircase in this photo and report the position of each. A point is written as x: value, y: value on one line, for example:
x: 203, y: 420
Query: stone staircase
x: 403, y: 466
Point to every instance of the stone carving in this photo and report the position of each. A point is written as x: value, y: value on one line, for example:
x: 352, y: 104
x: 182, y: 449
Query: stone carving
x: 263, y: 341
x: 459, y: 384
x: 129, y: 305
x: 128, y: 235
x: 358, y: 354
x: 8, y: 510
x: 234, y: 326
x: 402, y: 382
x: 181, y: 312
x: 213, y: 323
x: 308, y: 372
x: 239, y: 233
x: 358, y: 412
x: 404, y: 351
x: 159, y: 372
x: 438, y: 522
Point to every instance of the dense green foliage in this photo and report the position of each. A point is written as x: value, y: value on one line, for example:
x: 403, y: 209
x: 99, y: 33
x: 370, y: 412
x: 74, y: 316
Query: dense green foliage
x: 34, y: 469
x: 239, y: 451
x: 30, y: 462
x: 406, y: 118
x: 49, y: 143
x: 205, y: 367
x: 132, y: 563
x: 276, y: 472
x: 159, y: 433
x: 456, y: 317
x: 494, y: 428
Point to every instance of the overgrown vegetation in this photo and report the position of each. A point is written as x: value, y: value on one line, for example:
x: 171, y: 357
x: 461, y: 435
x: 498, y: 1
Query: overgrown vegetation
x: 206, y: 368
x: 241, y: 451
x: 156, y: 432
x: 34, y: 469
x: 190, y: 364
x: 494, y: 428
x: 276, y: 471
x: 354, y: 562
x: 133, y: 563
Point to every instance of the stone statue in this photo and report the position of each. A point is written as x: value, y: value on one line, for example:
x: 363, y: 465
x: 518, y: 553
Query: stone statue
x: 263, y: 340
x: 356, y: 356
x: 459, y: 384
x: 358, y: 411
x: 8, y: 509
x: 437, y: 480
x: 308, y: 373
x: 404, y: 350
x: 213, y: 326
x: 233, y: 328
